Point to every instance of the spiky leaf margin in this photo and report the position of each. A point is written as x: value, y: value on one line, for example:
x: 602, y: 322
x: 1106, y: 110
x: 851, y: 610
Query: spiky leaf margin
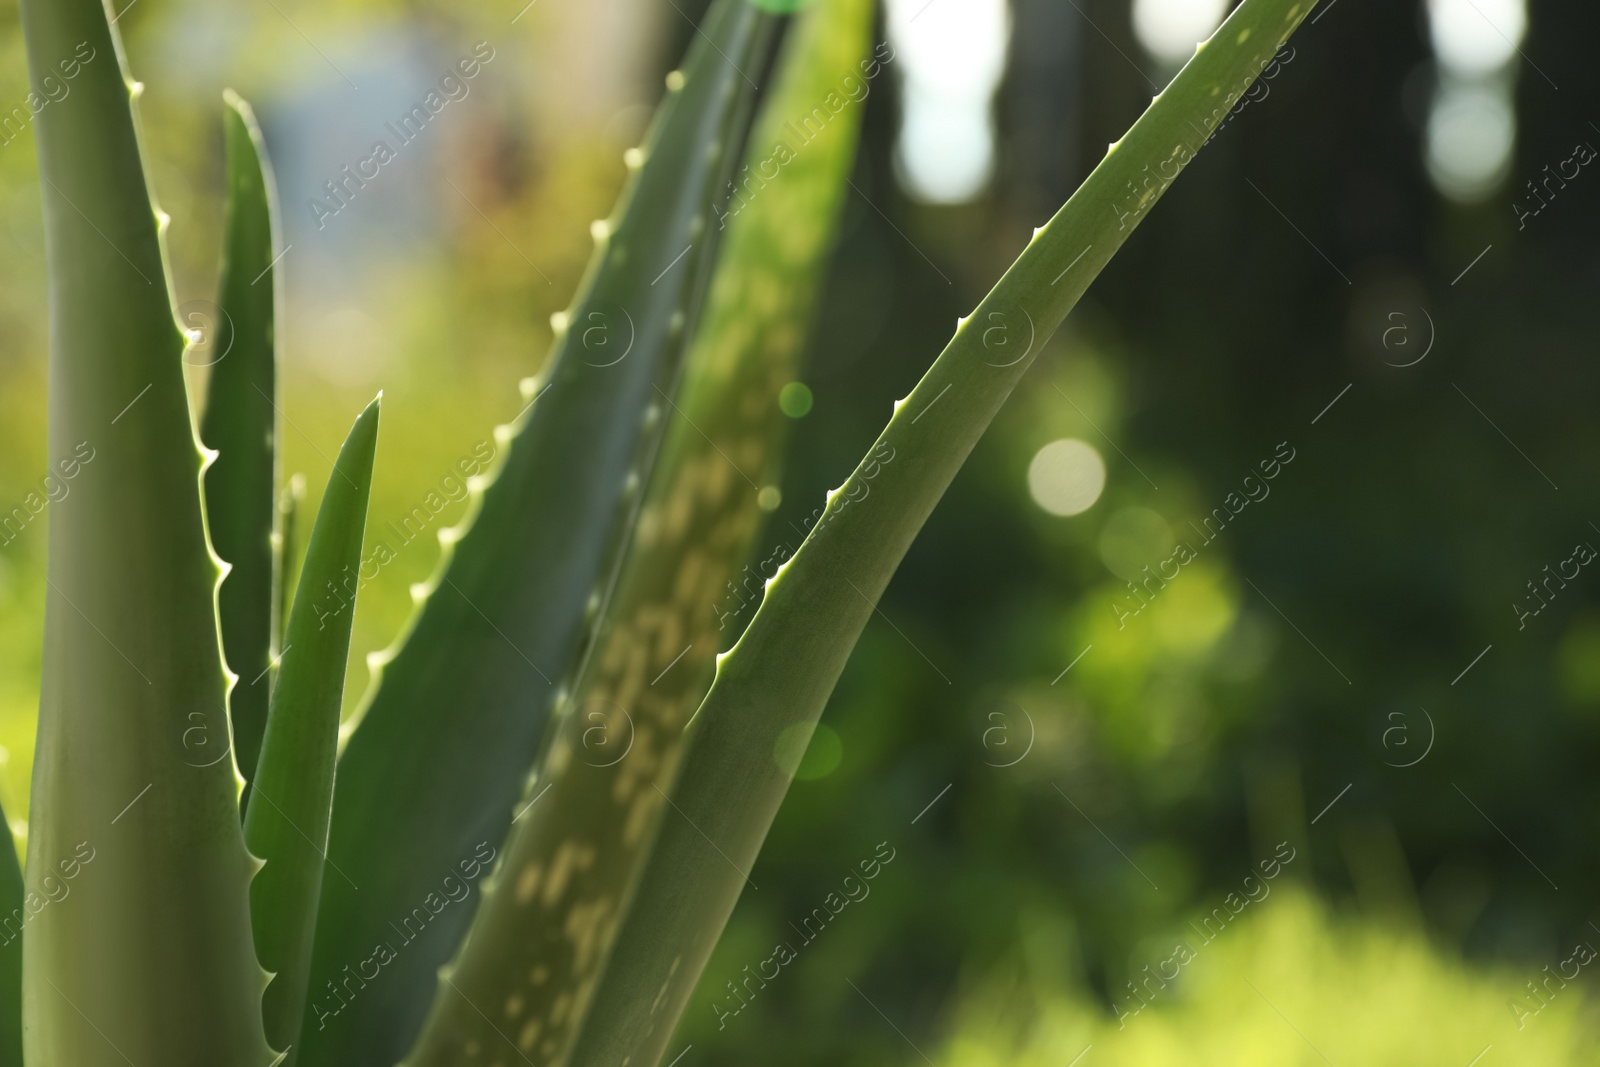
x: 544, y: 930
x: 135, y: 793
x: 429, y: 778
x: 782, y: 670
x: 240, y: 424
x: 286, y: 825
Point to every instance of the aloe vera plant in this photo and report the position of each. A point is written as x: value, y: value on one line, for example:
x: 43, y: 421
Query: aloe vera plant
x: 594, y: 797
x: 132, y: 794
x: 556, y: 713
x: 422, y: 786
x: 241, y: 426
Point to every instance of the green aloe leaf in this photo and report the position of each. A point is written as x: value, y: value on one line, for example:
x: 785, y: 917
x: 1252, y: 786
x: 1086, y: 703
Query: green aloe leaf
x: 140, y: 949
x: 286, y: 825
x: 241, y: 425
x: 782, y: 670
x: 285, y: 557
x: 13, y: 918
x: 542, y: 934
x: 429, y: 778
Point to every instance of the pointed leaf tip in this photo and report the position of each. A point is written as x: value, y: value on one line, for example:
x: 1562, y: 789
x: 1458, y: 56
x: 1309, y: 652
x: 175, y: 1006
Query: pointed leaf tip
x: 295, y: 773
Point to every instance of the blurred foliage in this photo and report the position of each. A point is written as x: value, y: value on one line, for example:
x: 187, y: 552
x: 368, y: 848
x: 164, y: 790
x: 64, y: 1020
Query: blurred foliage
x: 1189, y: 741
x: 1295, y: 986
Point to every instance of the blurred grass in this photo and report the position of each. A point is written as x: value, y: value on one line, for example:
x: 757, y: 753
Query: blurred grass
x: 1292, y: 984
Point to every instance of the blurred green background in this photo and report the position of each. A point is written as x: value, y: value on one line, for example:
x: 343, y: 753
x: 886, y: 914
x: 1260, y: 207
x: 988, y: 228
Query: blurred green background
x: 1069, y: 789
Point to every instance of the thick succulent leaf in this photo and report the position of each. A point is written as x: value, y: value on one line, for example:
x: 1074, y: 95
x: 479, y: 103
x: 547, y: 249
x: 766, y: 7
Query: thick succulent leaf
x: 240, y: 424
x: 286, y: 825
x: 135, y: 796
x: 428, y: 781
x: 13, y: 917
x: 285, y: 559
x: 783, y: 668
x: 544, y: 929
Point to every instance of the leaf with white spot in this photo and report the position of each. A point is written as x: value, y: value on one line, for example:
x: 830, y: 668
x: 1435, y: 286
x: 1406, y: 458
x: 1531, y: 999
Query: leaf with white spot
x: 780, y: 674
x: 592, y: 807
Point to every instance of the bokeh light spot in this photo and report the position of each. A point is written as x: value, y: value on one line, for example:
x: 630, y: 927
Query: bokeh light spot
x: 795, y: 399
x: 1469, y: 135
x: 1579, y: 661
x: 1066, y: 477
x: 1170, y: 29
x: 1476, y: 37
x: 808, y: 751
x: 1132, y: 539
x: 951, y: 57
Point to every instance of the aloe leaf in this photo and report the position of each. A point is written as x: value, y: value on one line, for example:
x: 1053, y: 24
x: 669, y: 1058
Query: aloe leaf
x: 13, y: 917
x: 241, y: 425
x: 286, y: 825
x: 285, y: 557
x: 542, y: 933
x: 782, y: 670
x: 430, y: 775
x: 138, y: 944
